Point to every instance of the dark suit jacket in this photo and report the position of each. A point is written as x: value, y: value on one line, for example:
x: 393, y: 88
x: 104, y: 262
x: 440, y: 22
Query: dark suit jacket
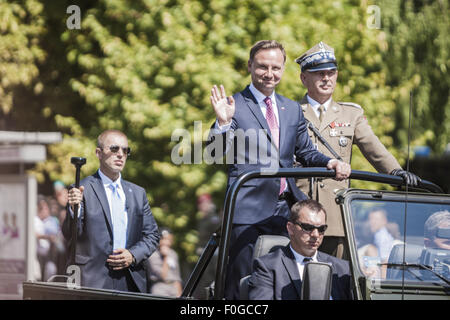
x: 95, y: 237
x: 257, y: 199
x: 275, y: 277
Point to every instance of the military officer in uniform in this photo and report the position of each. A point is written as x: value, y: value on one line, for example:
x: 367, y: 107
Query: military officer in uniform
x: 334, y: 127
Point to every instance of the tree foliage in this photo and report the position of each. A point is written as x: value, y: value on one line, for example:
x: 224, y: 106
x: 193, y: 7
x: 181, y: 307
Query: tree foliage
x: 417, y: 60
x: 147, y: 67
x: 21, y: 28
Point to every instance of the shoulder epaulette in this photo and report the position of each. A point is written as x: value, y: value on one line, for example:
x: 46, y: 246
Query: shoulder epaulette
x: 351, y: 104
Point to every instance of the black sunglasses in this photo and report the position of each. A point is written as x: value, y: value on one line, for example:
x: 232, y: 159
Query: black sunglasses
x: 310, y: 228
x: 114, y: 149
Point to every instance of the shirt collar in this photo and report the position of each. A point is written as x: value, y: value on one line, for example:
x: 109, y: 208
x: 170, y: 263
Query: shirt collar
x: 314, y: 104
x: 107, y: 181
x: 260, y: 96
x: 299, y: 258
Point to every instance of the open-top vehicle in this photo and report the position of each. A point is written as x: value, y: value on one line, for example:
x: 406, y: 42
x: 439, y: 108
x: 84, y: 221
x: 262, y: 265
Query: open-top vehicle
x: 410, y: 269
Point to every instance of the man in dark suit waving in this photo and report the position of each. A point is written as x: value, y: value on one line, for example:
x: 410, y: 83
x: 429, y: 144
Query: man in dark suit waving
x: 261, y: 130
x: 116, y: 229
x: 278, y: 275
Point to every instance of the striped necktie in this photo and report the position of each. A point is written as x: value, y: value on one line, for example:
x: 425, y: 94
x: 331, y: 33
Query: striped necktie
x: 275, y: 131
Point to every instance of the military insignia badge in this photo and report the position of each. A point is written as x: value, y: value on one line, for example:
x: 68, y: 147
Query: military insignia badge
x: 343, y: 141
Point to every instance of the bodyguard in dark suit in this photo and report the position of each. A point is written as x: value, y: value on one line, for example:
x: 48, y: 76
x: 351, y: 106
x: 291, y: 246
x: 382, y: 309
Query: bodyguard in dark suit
x: 278, y: 275
x: 116, y: 229
x: 259, y: 129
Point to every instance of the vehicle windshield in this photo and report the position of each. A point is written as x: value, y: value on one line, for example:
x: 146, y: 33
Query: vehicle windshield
x: 379, y: 235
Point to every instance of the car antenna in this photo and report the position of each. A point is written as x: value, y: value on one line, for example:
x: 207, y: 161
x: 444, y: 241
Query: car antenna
x: 406, y: 189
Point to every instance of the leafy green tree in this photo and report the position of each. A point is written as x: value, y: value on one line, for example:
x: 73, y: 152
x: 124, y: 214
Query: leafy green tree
x: 417, y: 60
x: 21, y: 29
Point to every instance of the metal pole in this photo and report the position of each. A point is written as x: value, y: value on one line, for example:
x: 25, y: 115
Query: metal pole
x: 78, y: 162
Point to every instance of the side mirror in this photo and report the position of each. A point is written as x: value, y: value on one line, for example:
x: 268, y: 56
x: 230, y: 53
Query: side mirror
x: 316, y: 284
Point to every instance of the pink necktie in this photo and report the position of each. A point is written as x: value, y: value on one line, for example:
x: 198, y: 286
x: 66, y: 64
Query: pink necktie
x: 275, y: 131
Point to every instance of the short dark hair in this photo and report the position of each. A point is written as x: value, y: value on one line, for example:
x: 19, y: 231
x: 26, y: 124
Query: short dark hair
x: 102, y: 136
x: 311, y: 204
x: 266, y: 44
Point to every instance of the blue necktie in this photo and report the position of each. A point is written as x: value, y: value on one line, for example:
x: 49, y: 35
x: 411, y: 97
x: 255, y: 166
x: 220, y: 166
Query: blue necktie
x: 118, y: 218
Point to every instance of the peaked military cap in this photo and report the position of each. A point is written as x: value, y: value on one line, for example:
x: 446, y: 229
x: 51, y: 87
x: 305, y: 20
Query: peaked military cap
x: 319, y: 57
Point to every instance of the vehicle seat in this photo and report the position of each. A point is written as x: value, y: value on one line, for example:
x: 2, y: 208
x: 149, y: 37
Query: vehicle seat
x: 264, y: 245
x: 412, y: 254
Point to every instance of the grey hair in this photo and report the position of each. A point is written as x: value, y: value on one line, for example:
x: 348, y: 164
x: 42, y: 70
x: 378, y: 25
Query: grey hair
x: 436, y: 220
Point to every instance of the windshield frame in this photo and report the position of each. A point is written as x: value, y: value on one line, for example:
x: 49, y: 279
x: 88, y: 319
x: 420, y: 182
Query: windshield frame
x: 365, y: 285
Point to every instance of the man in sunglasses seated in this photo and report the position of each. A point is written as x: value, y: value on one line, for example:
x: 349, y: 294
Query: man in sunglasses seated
x: 278, y: 275
x: 116, y: 229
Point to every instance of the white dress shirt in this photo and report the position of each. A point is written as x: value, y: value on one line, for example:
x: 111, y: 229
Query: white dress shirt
x: 384, y: 242
x: 259, y: 96
x: 106, y: 184
x: 299, y: 259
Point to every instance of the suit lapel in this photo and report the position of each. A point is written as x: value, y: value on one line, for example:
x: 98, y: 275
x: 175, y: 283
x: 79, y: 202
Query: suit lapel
x: 321, y: 257
x: 309, y: 113
x: 128, y: 204
x: 290, y: 264
x: 332, y: 114
x: 99, y: 190
x: 283, y: 119
x: 255, y: 109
